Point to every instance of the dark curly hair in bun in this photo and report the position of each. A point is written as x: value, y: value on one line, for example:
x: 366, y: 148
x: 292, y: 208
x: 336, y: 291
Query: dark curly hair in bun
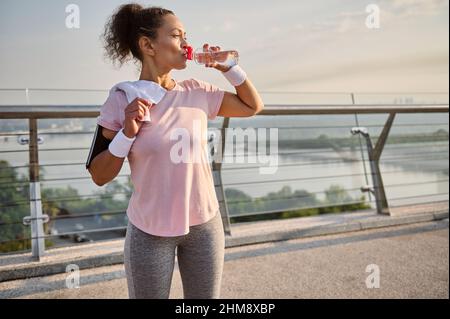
x: 124, y: 28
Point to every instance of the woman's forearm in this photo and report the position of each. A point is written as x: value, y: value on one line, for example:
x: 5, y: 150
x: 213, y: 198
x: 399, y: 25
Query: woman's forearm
x: 249, y: 95
x: 105, y: 167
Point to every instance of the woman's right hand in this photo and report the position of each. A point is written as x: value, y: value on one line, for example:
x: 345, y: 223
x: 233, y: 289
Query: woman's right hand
x: 134, y: 114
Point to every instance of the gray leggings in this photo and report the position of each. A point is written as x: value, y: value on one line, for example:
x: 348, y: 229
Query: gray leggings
x: 149, y: 261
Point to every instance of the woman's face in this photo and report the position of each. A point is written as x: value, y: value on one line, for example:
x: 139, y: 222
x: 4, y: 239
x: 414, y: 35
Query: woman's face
x: 169, y: 52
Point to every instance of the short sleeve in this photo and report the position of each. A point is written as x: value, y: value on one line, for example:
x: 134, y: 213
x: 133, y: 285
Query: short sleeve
x: 214, y: 96
x: 110, y: 116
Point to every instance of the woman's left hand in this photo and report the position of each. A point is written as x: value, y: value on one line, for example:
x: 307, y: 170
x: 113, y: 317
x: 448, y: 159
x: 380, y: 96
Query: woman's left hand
x: 215, y: 65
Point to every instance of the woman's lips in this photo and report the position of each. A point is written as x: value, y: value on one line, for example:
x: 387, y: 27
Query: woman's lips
x: 187, y: 53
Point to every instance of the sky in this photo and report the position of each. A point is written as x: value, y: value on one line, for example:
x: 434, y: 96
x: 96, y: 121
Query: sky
x: 296, y: 46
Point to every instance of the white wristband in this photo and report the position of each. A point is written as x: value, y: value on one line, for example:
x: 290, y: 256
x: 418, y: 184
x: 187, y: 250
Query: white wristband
x: 121, y: 144
x: 236, y: 76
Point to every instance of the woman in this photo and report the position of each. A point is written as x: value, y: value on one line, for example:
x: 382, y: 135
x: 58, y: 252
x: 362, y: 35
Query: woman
x: 173, y: 205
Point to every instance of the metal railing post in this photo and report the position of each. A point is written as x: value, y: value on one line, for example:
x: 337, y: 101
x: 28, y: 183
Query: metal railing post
x: 36, y: 218
x: 374, y: 158
x: 361, y: 147
x: 217, y: 175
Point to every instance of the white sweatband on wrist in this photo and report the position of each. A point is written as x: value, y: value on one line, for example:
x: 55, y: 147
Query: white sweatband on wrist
x: 236, y: 76
x: 121, y: 144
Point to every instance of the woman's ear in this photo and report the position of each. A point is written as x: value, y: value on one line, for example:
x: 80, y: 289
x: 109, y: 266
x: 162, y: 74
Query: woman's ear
x: 146, y: 46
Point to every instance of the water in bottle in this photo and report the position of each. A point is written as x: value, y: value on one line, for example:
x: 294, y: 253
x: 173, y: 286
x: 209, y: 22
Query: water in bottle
x: 226, y: 58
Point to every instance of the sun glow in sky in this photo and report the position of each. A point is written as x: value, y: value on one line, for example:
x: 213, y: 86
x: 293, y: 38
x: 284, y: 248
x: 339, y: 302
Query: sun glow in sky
x: 318, y: 46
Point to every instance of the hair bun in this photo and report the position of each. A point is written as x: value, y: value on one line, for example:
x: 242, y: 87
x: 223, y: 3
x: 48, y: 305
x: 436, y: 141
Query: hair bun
x: 124, y: 27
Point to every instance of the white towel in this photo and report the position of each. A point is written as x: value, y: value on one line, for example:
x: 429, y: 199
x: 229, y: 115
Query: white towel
x: 149, y: 90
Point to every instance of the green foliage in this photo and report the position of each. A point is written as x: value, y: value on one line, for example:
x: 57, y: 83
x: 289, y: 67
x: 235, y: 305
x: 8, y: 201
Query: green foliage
x: 14, y: 205
x: 336, y: 199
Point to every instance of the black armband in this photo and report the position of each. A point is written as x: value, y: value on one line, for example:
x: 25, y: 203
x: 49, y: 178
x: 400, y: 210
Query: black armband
x: 99, y: 144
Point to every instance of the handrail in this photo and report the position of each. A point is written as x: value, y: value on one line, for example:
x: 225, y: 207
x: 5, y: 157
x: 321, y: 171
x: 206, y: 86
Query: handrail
x: 86, y: 111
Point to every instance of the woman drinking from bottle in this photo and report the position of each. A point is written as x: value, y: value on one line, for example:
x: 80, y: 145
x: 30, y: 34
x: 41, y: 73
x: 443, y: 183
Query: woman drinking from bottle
x: 173, y: 206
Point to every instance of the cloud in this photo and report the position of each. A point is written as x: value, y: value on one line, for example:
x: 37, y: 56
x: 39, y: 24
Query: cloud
x: 390, y: 12
x: 228, y: 25
x: 274, y: 30
x: 363, y: 68
x: 413, y: 8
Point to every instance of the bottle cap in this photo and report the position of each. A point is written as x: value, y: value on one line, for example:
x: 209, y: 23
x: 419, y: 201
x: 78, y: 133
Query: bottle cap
x: 189, y: 51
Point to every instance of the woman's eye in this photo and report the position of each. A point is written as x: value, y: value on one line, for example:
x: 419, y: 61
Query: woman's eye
x: 175, y: 36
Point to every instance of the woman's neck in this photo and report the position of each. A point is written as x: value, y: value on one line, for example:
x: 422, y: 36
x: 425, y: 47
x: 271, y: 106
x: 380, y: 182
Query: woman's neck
x: 162, y: 78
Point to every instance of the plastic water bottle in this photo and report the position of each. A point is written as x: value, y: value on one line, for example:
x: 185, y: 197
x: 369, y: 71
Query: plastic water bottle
x: 227, y: 58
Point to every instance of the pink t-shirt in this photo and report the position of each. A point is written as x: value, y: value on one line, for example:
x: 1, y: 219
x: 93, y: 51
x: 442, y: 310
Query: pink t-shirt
x: 170, y: 195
